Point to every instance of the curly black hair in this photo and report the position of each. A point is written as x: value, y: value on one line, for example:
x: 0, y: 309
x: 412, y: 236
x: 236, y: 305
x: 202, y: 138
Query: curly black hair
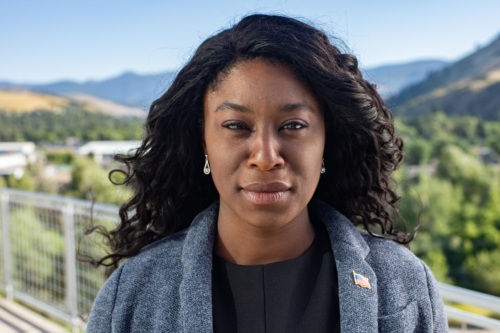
x: 361, y: 150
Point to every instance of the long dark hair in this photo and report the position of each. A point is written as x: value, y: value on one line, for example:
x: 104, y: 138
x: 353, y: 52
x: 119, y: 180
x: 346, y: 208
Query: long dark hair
x: 362, y: 149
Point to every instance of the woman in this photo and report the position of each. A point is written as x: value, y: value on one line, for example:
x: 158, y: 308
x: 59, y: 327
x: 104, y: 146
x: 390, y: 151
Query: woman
x: 258, y: 162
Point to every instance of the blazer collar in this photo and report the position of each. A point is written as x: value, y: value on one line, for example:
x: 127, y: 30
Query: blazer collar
x: 358, y: 305
x: 196, y: 287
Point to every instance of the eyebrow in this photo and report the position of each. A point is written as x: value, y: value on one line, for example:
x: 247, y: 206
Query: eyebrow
x: 227, y: 106
x: 296, y: 106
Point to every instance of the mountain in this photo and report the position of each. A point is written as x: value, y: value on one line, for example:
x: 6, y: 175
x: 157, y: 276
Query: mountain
x: 470, y: 86
x: 129, y: 89
x: 391, y: 79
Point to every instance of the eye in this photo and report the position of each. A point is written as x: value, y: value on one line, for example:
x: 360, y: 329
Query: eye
x: 235, y: 126
x: 294, y: 125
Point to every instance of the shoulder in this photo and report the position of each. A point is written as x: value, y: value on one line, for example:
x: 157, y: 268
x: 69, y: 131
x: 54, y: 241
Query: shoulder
x: 401, y: 276
x: 164, y: 254
x: 388, y: 253
x: 147, y: 290
x: 381, y: 254
x: 161, y: 258
x: 394, y: 264
x: 404, y: 282
x: 168, y: 255
x: 136, y: 291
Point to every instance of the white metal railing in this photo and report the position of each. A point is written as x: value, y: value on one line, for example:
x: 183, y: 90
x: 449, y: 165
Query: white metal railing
x: 470, y: 297
x: 40, y: 235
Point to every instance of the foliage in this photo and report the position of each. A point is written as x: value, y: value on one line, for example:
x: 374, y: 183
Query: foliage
x: 26, y: 183
x: 48, y: 126
x: 417, y: 151
x: 441, y: 130
x: 60, y: 158
x: 458, y: 204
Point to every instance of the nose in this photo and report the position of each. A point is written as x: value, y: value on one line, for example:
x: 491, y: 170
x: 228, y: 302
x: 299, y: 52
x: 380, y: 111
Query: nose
x: 265, y: 151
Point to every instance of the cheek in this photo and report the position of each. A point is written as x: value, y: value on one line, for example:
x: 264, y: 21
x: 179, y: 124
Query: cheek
x: 224, y: 162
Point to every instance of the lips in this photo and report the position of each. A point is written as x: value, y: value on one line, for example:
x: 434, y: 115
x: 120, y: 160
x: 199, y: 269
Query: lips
x: 265, y: 193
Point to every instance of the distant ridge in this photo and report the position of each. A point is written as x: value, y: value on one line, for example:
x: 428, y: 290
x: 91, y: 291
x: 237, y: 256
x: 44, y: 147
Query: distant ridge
x: 470, y: 86
x: 128, y: 89
x: 392, y: 78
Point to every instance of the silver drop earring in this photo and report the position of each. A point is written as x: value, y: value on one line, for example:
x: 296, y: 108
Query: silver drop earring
x: 206, y: 168
x: 323, y: 170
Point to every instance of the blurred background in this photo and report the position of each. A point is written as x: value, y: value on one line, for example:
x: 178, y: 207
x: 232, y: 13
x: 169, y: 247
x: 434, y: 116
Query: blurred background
x: 77, y: 79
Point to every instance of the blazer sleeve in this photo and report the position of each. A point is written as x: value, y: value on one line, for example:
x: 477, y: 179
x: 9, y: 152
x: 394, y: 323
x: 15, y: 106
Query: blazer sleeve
x: 439, y: 321
x: 100, y: 319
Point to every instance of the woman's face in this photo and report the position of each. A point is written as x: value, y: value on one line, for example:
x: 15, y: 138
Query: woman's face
x: 264, y: 137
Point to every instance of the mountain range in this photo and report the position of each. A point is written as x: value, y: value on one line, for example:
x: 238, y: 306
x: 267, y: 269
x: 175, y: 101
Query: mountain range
x: 470, y: 86
x: 138, y: 91
x: 129, y: 89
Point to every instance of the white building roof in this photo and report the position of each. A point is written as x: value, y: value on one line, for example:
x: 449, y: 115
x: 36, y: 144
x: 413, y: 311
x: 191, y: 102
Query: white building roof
x: 108, y: 147
x: 26, y: 148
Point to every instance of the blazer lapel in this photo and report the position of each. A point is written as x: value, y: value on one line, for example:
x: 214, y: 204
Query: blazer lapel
x: 358, y: 305
x: 196, y: 286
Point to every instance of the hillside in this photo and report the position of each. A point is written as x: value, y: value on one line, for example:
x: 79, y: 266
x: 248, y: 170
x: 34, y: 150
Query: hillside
x: 471, y: 86
x: 15, y: 101
x: 107, y: 107
x: 25, y: 101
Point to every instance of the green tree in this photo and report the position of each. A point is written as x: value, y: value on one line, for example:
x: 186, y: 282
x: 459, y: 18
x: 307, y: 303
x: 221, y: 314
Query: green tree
x: 26, y: 182
x: 483, y: 271
x: 90, y: 181
x: 435, y: 203
x: 465, y: 171
x: 417, y: 151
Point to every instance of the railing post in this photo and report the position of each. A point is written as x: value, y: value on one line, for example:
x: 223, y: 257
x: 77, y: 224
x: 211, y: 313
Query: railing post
x: 70, y: 264
x: 7, y: 263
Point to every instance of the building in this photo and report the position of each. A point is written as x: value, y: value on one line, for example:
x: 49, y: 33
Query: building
x: 15, y: 157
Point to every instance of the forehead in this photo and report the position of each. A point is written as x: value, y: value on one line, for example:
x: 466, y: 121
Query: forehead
x: 256, y: 80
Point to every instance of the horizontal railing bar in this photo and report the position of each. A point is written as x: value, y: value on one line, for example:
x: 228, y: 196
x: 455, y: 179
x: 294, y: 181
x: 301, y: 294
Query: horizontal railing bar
x: 472, y: 318
x: 15, y: 194
x: 42, y: 306
x: 471, y: 297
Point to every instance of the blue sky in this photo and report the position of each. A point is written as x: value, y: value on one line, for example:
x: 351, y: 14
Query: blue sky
x: 48, y: 40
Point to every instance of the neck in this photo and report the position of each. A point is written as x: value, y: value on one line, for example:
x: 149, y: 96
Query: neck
x: 245, y: 245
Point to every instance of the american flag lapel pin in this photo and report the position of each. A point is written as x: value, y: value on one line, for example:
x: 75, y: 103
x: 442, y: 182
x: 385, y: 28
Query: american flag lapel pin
x: 361, y: 281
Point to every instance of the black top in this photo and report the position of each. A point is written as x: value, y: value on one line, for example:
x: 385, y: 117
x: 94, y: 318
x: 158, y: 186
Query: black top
x: 297, y: 295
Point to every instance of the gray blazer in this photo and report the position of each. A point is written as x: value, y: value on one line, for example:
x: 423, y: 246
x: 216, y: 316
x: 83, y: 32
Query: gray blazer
x: 167, y: 287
